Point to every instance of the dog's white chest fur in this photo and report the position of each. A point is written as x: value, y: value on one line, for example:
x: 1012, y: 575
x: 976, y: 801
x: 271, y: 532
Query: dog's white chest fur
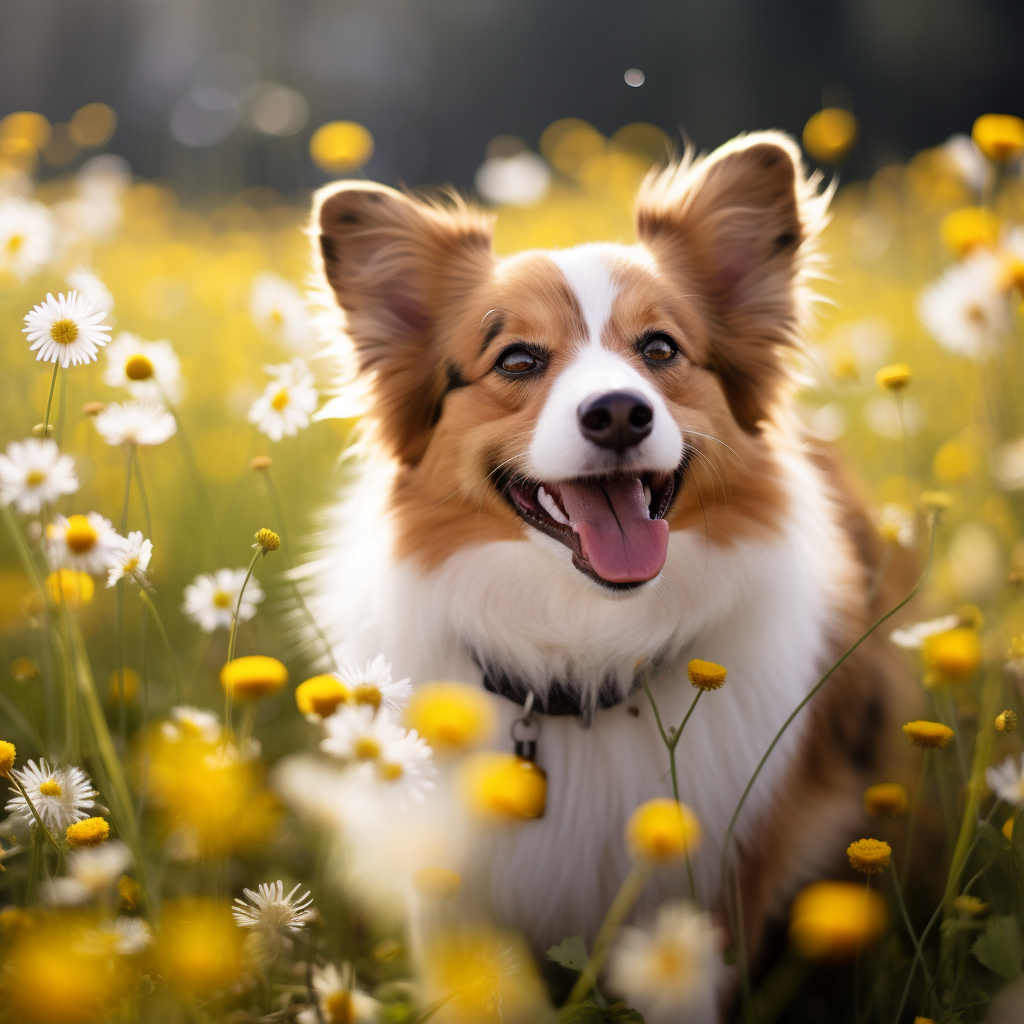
x: 763, y: 608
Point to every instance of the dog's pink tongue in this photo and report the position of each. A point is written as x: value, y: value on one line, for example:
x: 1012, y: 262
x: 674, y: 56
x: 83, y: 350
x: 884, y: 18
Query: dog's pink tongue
x: 617, y: 534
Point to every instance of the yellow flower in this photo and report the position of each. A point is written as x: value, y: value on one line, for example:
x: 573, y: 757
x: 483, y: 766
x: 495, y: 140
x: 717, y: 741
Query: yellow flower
x: 321, y: 695
x: 131, y: 685
x: 954, y: 462
x: 267, y: 540
x: 869, y: 856
x: 830, y: 134
x: 7, y: 755
x: 706, y: 675
x: 895, y: 377
x: 1006, y: 721
x: 936, y: 501
x: 450, y: 716
x: 438, y: 883
x: 835, y: 920
x: 887, y: 799
x: 929, y: 735
x: 258, y: 463
x: 953, y: 656
x: 89, y: 832
x: 78, y: 587
x: 662, y: 831
x: 504, y: 785
x: 24, y: 670
x: 963, y: 230
x: 1008, y: 829
x: 340, y: 146
x: 999, y: 136
x: 253, y: 677
x: 969, y: 905
x: 129, y: 891
x: 200, y: 947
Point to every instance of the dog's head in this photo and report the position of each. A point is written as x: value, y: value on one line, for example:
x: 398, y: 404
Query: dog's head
x: 598, y: 397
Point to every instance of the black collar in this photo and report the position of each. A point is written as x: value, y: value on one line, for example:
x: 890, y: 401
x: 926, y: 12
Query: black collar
x: 559, y: 697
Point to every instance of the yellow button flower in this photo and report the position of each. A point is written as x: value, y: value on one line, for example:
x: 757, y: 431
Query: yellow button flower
x: 953, y: 656
x: 340, y: 146
x: 438, y: 883
x: 130, y: 891
x: 662, y: 831
x: 267, y: 540
x: 894, y: 377
x: 969, y: 905
x: 200, y: 949
x: 451, y: 716
x: 7, y: 755
x: 706, y: 675
x: 321, y: 695
x: 929, y: 735
x: 887, y: 799
x: 830, y: 134
x: 89, y: 832
x: 253, y: 677
x: 77, y: 587
x: 1006, y: 721
x: 25, y: 670
x: 999, y: 136
x: 869, y: 856
x: 1008, y: 829
x: 936, y: 501
x: 504, y: 785
x: 964, y: 230
x: 131, y: 685
x: 835, y: 920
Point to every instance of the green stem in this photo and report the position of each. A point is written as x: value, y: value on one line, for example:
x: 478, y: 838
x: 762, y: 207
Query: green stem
x: 167, y: 643
x: 144, y: 686
x: 35, y: 814
x: 898, y: 889
x: 49, y: 400
x: 628, y: 894
x: 147, y: 518
x: 231, y: 639
x: 122, y: 703
x: 912, y: 819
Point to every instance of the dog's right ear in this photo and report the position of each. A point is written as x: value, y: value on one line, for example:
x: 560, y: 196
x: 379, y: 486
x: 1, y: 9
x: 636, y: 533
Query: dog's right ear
x: 399, y: 268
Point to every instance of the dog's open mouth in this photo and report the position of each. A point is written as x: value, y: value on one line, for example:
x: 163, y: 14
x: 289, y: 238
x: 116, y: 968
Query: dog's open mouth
x: 614, y: 525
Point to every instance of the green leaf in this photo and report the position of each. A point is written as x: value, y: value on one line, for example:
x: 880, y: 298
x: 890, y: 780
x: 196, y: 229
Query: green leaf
x: 571, y: 953
x: 1001, y: 948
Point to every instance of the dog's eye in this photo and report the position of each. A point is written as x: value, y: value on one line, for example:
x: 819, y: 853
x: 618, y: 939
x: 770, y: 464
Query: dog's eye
x: 517, y: 361
x: 659, y: 348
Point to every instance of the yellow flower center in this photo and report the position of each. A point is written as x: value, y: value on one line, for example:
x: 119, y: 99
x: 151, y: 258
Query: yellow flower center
x: 131, y: 565
x: 338, y: 1008
x: 34, y: 477
x: 276, y: 317
x: 221, y: 599
x: 367, y: 693
x: 80, y: 535
x: 14, y: 244
x: 64, y: 331
x: 366, y: 748
x: 280, y: 400
x: 138, y: 367
x: 976, y: 314
x: 51, y: 787
x: 670, y: 962
x: 391, y: 772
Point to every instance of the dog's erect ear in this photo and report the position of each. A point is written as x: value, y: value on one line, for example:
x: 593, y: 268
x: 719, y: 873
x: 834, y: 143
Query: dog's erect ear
x: 736, y: 227
x: 399, y: 267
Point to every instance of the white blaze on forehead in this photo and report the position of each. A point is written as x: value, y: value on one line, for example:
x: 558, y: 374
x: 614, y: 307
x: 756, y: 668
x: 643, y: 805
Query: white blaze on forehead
x: 587, y: 269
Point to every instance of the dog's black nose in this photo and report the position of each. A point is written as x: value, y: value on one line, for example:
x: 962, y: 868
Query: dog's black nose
x: 616, y: 419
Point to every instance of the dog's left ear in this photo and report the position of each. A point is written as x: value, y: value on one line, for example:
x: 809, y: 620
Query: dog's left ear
x: 734, y: 228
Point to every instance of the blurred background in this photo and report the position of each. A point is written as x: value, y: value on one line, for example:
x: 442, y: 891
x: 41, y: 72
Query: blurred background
x: 217, y: 94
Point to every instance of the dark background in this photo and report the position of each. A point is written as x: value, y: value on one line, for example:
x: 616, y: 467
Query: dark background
x: 435, y: 81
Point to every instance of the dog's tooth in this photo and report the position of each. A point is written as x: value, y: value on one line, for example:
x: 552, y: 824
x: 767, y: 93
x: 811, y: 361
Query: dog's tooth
x: 551, y: 506
x: 647, y: 495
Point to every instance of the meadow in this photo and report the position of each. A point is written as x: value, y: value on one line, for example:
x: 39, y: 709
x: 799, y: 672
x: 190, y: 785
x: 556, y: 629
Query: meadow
x: 168, y: 745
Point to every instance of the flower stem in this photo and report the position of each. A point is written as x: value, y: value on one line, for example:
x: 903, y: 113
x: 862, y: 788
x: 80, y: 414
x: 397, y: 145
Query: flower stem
x: 147, y: 518
x: 898, y: 889
x: 122, y: 703
x: 912, y: 818
x: 49, y: 400
x: 231, y: 638
x: 35, y: 814
x: 628, y: 894
x: 167, y: 643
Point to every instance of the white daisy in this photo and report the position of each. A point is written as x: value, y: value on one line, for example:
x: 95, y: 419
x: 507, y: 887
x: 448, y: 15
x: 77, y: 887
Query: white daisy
x: 61, y: 796
x: 403, y: 767
x: 896, y: 524
x: 339, y: 1000
x: 286, y: 402
x: 135, y: 422
x: 148, y: 369
x: 87, y: 283
x: 27, y: 233
x: 279, y: 310
x: 132, y: 560
x: 210, y: 599
x: 88, y: 543
x: 91, y: 872
x: 670, y: 974
x: 911, y: 638
x: 357, y: 733
x: 271, y: 911
x: 68, y: 330
x: 34, y: 473
x: 1007, y: 780
x: 965, y: 310
x: 373, y: 685
x: 188, y: 722
x: 127, y: 936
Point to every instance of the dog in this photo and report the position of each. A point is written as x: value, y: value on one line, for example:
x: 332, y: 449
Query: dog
x: 587, y: 470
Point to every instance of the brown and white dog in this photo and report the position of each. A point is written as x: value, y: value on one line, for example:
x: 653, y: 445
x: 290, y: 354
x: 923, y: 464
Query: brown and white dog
x: 592, y: 470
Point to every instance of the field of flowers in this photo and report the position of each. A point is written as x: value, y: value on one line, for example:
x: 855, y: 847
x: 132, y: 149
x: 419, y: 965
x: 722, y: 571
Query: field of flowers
x: 170, y: 431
